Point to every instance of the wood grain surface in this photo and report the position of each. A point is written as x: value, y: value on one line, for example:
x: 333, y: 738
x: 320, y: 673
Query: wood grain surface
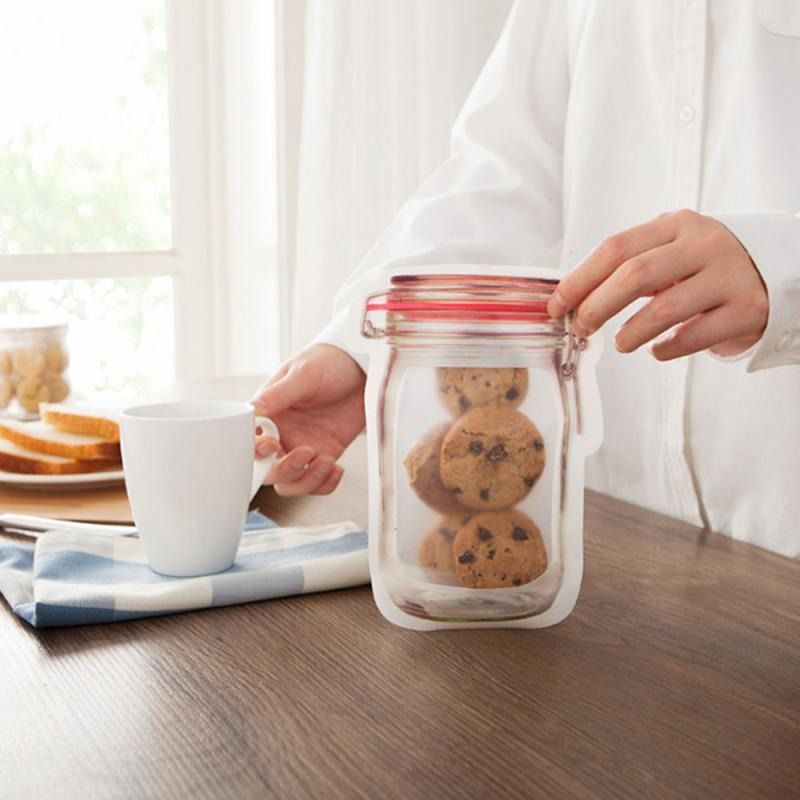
x: 94, y: 505
x: 677, y: 676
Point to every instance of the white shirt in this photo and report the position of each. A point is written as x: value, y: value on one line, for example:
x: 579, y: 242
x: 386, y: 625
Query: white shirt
x: 592, y: 116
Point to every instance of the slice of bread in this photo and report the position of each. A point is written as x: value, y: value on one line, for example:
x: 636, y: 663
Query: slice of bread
x: 14, y: 458
x: 86, y: 421
x: 40, y: 437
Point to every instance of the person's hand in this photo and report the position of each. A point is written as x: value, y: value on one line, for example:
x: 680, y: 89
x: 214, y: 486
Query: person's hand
x: 705, y: 288
x: 317, y: 401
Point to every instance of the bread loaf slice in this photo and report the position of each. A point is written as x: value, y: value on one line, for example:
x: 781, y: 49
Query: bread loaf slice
x: 41, y: 438
x: 89, y: 422
x: 14, y: 458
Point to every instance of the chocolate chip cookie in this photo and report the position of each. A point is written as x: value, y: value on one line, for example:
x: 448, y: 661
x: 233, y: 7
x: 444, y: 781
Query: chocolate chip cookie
x: 422, y: 468
x: 463, y: 388
x: 436, y: 545
x: 497, y: 549
x: 492, y: 457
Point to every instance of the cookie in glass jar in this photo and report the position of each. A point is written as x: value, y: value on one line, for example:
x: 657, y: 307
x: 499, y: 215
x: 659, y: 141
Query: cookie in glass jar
x: 492, y: 457
x: 30, y: 391
x: 56, y: 357
x: 28, y: 361
x: 465, y: 388
x: 499, y: 549
x: 436, y: 546
x: 57, y: 388
x: 6, y: 391
x: 424, y: 476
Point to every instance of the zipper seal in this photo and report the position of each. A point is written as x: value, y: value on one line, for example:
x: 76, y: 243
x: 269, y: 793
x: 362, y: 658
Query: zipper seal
x: 569, y: 371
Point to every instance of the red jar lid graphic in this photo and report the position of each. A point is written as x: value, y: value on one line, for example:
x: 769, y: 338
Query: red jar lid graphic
x: 466, y: 298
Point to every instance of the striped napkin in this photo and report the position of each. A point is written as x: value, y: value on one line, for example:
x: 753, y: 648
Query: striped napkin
x: 77, y: 578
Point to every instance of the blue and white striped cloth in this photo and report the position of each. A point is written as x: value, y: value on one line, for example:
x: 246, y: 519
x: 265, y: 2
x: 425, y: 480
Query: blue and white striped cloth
x: 77, y: 578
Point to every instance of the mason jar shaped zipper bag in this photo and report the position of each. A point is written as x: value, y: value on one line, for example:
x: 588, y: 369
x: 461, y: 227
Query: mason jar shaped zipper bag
x: 481, y: 410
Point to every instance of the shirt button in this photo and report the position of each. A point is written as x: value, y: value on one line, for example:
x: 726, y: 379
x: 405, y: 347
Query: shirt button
x: 686, y: 114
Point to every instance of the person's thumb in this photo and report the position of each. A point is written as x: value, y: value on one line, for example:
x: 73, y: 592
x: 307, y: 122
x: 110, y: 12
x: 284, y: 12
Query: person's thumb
x: 282, y: 394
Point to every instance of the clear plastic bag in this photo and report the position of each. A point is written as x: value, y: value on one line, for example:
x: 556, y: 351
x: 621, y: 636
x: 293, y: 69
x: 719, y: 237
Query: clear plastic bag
x: 480, y: 413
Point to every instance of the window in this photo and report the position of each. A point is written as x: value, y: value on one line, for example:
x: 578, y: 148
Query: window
x: 137, y: 185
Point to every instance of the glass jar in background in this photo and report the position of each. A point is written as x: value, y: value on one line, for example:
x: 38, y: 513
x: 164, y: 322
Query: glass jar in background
x: 33, y: 364
x: 480, y: 412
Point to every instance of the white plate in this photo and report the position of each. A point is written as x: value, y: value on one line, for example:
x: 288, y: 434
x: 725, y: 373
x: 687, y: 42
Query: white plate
x: 86, y: 480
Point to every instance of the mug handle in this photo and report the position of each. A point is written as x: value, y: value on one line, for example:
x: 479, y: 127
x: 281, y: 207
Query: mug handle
x: 262, y: 466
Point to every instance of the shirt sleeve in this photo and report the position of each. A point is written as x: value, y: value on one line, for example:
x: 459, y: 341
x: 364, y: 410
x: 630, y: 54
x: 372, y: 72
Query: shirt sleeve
x: 498, y: 197
x: 773, y: 241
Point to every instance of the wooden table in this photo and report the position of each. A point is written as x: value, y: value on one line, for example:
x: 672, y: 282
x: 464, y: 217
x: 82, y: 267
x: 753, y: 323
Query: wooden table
x: 678, y: 675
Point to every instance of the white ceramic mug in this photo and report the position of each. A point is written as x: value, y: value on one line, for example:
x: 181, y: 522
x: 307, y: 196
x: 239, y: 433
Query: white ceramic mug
x: 190, y: 472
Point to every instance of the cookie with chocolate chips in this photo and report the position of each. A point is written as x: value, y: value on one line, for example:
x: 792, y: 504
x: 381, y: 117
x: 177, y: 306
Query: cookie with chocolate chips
x: 499, y: 549
x: 492, y: 457
x: 422, y: 470
x: 463, y: 389
x: 436, y: 545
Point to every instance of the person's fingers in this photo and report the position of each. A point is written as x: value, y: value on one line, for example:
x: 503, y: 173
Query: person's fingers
x: 704, y: 331
x: 267, y: 445
x: 315, y: 475
x: 274, y: 378
x: 677, y: 304
x: 275, y: 397
x: 641, y: 276
x: 577, y: 284
x: 292, y: 466
x: 279, y: 396
x: 332, y: 482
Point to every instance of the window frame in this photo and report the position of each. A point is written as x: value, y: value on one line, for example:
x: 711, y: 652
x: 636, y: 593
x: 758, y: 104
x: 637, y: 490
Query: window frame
x: 197, y: 263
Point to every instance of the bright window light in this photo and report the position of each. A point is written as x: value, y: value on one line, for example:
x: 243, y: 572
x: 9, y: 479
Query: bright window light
x: 84, y: 138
